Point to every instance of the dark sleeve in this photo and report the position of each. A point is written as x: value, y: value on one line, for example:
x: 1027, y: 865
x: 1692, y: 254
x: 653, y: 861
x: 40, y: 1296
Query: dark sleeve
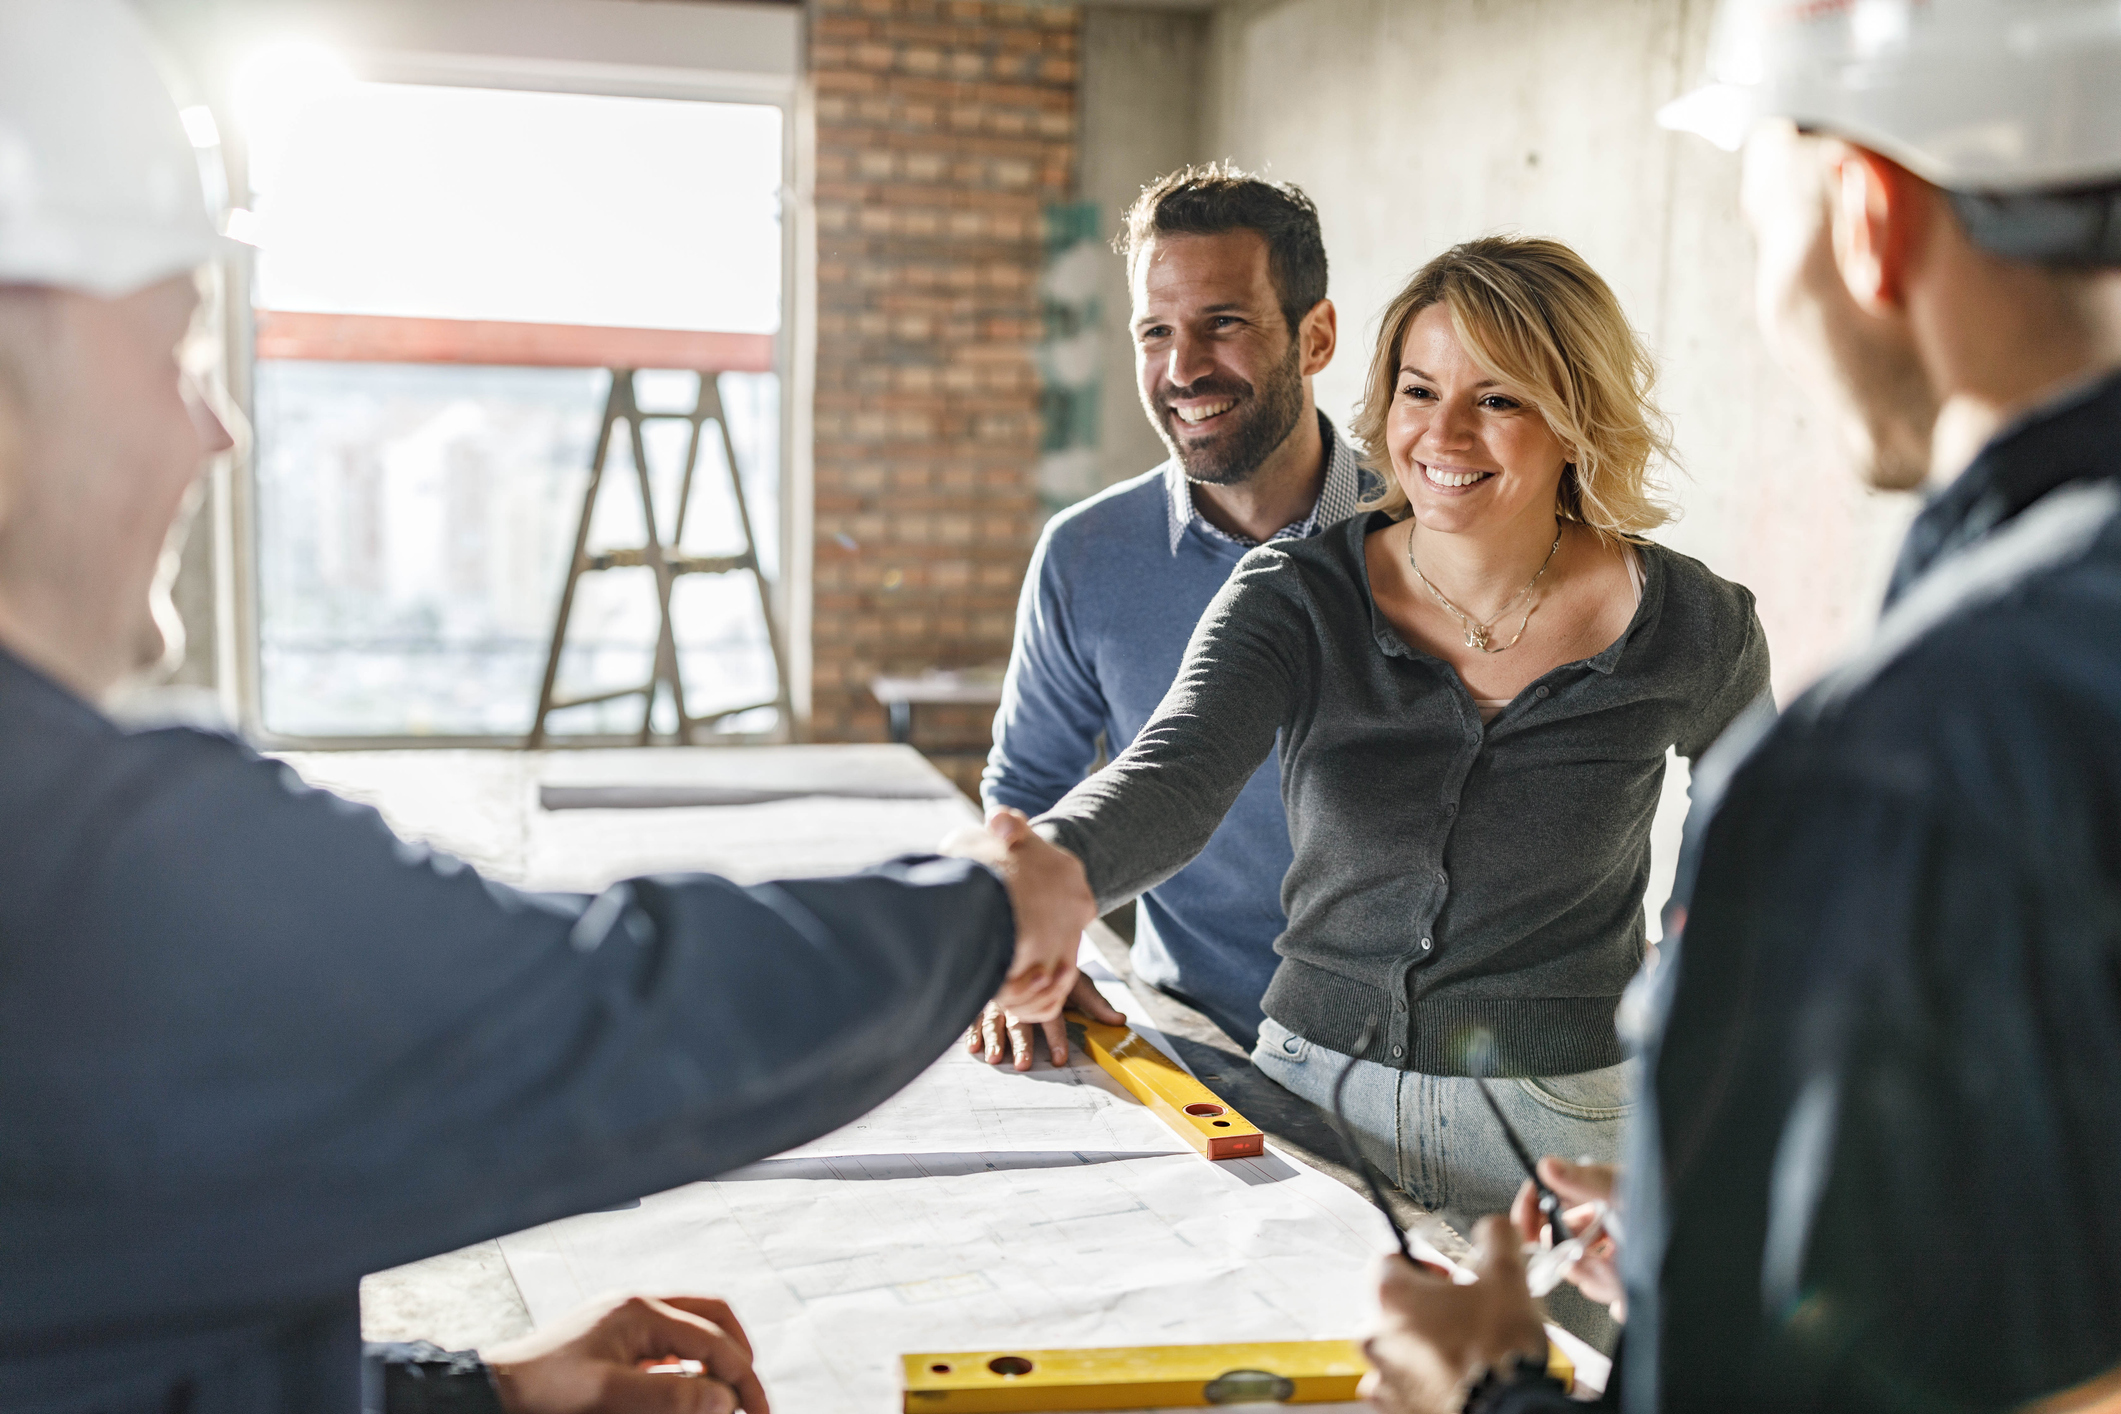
x: 1743, y: 648
x: 1052, y: 710
x: 1885, y: 1090
x: 1541, y: 1396
x: 274, y: 1047
x: 1146, y: 815
x: 417, y: 1377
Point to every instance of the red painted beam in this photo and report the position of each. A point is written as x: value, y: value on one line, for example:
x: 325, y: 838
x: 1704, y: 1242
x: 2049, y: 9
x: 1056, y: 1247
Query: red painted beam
x: 373, y: 338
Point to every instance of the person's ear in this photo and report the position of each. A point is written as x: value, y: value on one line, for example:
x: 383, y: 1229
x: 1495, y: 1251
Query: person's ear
x: 1879, y: 211
x: 1317, y: 335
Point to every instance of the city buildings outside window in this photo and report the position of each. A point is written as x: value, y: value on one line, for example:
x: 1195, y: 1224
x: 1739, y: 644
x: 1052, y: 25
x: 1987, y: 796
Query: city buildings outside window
x: 414, y: 518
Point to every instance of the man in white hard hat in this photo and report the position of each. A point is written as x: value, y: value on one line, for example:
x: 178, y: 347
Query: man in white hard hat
x: 251, y: 1045
x: 1879, y: 1164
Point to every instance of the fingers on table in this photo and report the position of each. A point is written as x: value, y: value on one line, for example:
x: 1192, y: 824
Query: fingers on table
x: 1000, y: 1035
x: 1056, y: 1042
x: 1094, y: 1005
x: 1020, y: 1044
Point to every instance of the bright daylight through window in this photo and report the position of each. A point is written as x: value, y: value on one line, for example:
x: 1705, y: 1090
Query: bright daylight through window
x: 416, y: 512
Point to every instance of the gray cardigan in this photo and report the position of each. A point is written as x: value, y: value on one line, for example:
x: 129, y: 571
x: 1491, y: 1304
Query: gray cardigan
x: 1448, y: 877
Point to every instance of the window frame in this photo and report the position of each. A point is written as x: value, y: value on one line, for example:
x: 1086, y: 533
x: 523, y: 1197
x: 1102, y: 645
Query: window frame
x: 234, y: 488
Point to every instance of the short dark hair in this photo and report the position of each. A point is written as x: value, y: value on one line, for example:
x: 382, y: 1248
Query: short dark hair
x: 1208, y: 200
x: 2078, y: 227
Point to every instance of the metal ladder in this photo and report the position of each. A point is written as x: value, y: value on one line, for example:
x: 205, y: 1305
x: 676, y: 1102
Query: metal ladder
x: 663, y: 557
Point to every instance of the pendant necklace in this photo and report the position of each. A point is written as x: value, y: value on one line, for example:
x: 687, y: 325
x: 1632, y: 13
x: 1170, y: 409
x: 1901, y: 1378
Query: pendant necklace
x: 1478, y: 633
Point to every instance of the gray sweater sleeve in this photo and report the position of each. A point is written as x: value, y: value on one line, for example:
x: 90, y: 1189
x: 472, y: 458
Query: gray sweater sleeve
x: 1147, y: 814
x: 1747, y: 683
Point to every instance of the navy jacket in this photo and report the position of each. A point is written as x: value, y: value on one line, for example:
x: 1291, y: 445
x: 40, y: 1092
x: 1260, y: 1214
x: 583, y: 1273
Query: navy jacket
x: 1879, y: 1167
x: 253, y: 1046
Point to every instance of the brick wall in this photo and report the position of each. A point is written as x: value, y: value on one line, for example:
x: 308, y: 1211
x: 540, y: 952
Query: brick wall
x: 944, y: 130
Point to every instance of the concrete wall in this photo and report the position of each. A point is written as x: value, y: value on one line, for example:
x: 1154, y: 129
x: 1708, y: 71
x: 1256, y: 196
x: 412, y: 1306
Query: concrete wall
x: 1141, y: 106
x: 1418, y: 123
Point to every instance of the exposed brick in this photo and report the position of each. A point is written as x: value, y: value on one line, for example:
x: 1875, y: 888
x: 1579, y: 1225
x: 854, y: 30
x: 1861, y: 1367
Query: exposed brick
x: 945, y: 127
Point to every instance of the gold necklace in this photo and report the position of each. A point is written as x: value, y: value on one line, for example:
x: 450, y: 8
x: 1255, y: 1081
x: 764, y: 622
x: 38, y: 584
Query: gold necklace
x: 1476, y: 632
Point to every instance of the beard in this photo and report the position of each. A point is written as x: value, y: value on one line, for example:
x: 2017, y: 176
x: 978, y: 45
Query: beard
x: 1263, y: 419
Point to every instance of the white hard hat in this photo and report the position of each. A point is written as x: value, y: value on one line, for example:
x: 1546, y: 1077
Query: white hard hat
x: 1980, y: 96
x: 100, y: 188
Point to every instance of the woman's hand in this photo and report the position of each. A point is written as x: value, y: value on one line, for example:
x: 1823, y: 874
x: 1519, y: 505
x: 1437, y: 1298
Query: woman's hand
x: 1051, y: 897
x: 1596, y: 1274
x: 595, y: 1361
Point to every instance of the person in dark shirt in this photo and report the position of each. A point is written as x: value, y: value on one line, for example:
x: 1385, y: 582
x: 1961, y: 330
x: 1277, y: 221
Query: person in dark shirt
x: 1879, y: 1162
x: 252, y: 1045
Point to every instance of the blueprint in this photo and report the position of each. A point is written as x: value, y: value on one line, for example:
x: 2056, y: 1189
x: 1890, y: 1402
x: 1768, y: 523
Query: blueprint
x: 979, y: 1209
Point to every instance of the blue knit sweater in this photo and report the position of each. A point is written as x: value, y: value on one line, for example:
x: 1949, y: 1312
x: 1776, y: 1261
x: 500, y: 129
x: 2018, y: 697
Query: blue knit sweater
x: 1106, y: 613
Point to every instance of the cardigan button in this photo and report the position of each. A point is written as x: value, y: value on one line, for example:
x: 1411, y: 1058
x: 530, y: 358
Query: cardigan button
x: 1425, y: 943
x: 1399, y: 1050
x: 1541, y: 693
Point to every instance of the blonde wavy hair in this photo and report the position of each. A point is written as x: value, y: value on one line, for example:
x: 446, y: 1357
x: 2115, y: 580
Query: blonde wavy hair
x: 1543, y: 324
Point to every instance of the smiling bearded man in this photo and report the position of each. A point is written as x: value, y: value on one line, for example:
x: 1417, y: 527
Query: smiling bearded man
x: 1231, y: 323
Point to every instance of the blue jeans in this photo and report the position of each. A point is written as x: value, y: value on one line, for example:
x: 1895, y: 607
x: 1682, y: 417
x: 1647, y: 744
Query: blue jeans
x: 1435, y: 1137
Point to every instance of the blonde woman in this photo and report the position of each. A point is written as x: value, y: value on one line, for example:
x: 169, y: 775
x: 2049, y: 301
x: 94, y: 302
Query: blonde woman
x: 1474, y: 686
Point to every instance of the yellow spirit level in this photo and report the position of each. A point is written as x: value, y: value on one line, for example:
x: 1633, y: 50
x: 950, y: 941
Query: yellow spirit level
x: 1145, y: 1377
x: 1133, y: 1377
x: 1176, y: 1098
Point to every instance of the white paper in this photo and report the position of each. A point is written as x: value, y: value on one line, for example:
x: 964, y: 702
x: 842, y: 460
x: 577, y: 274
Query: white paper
x: 981, y: 1209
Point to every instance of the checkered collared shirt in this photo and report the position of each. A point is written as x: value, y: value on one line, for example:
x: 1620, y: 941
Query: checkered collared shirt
x: 1346, y: 484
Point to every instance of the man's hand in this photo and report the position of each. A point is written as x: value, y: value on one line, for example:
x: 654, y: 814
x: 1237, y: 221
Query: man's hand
x: 1435, y: 1340
x: 995, y: 1025
x: 1051, y: 897
x: 595, y: 1361
x: 1596, y: 1274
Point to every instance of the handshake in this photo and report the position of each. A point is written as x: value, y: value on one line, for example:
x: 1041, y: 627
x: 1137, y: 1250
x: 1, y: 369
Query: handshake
x: 1051, y: 898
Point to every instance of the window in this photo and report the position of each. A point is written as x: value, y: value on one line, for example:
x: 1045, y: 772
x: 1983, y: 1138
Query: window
x: 416, y: 512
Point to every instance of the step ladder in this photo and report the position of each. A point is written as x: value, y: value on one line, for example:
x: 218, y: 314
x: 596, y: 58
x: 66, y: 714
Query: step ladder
x: 665, y: 559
